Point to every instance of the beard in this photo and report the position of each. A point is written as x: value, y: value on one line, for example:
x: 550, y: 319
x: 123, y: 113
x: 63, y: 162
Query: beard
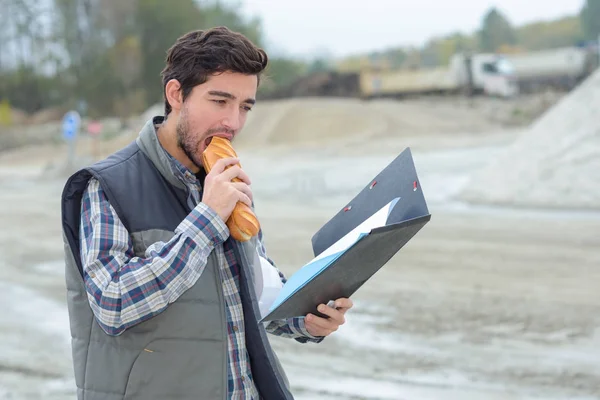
x: 187, y: 142
x: 190, y: 143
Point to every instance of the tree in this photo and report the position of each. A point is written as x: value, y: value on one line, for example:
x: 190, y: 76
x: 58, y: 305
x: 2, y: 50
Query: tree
x: 161, y: 22
x: 550, y: 34
x: 496, y: 31
x: 397, y: 57
x: 430, y: 54
x: 590, y: 19
x: 280, y: 73
x: 102, y: 55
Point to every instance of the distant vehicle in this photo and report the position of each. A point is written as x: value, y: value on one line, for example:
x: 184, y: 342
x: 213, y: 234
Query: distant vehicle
x: 489, y: 74
x: 562, y: 68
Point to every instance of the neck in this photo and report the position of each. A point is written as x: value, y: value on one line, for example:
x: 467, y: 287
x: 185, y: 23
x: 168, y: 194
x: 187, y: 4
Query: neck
x: 167, y: 136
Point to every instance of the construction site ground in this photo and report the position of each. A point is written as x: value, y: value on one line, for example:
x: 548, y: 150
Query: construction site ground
x: 485, y: 302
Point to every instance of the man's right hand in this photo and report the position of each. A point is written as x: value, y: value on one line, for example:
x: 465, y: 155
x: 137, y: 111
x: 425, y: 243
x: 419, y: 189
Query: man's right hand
x: 220, y: 193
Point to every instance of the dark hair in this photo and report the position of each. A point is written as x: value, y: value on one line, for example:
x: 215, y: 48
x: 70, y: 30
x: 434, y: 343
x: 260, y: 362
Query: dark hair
x: 198, y: 54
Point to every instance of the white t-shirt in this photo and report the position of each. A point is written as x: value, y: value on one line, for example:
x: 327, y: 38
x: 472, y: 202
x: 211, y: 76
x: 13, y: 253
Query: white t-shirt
x: 269, y: 285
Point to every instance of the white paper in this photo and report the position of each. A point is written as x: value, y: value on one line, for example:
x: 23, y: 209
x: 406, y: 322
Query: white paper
x: 374, y: 221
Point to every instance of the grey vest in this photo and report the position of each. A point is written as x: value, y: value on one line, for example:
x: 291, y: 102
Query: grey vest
x: 182, y: 352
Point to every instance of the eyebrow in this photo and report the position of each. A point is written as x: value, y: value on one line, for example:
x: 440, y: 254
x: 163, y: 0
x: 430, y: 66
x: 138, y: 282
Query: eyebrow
x: 229, y: 96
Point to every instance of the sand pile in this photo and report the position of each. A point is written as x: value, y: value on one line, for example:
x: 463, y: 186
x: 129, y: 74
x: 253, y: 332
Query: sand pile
x: 307, y: 121
x: 556, y: 163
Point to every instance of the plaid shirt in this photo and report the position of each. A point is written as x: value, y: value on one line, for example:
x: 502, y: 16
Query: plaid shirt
x: 124, y: 290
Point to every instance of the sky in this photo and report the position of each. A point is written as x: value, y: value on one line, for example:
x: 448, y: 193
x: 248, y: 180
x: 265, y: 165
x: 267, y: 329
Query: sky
x: 344, y: 27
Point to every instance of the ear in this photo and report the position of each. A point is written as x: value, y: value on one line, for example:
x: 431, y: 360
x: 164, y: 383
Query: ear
x: 174, y: 95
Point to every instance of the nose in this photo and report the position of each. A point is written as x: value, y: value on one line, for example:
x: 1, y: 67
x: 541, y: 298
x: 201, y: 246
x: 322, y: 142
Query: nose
x: 232, y: 119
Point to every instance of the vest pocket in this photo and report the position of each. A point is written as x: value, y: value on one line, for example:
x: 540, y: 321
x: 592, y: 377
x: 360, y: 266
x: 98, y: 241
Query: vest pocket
x: 178, y: 369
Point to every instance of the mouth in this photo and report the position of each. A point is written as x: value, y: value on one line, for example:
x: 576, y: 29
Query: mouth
x: 209, y: 139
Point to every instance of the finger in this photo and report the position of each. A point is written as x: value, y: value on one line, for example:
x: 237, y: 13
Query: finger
x: 244, y: 188
x: 239, y: 192
x: 332, y: 313
x: 235, y: 172
x: 323, y: 323
x: 343, y: 305
x: 222, y: 164
x: 323, y: 326
x: 243, y: 197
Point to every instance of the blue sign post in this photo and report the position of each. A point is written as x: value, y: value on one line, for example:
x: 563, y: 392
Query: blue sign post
x: 71, y: 124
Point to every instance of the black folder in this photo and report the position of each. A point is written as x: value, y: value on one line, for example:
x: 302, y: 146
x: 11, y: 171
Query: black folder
x: 396, y: 184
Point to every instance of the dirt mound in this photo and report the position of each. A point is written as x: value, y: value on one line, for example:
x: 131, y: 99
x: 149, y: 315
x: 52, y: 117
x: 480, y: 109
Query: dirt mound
x: 554, y: 164
x: 309, y: 121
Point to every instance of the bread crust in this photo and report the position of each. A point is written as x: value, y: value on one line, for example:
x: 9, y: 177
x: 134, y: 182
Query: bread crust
x: 242, y: 223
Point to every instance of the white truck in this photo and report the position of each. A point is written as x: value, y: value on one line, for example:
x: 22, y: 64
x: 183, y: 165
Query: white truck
x: 490, y: 74
x: 561, y: 68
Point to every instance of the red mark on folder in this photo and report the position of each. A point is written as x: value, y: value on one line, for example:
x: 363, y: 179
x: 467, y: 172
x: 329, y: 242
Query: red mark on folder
x: 347, y: 208
x: 414, y: 186
x: 373, y: 184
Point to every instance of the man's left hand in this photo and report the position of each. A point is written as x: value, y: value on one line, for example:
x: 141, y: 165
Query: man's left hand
x: 318, y: 326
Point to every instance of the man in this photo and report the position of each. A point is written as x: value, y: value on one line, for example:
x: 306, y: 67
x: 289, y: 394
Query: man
x: 161, y: 300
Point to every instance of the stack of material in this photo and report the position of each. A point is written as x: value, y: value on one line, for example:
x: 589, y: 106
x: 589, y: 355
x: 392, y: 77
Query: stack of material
x: 555, y: 164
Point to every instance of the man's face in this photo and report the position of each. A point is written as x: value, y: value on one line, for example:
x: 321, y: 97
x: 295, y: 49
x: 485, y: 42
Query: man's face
x: 218, y: 107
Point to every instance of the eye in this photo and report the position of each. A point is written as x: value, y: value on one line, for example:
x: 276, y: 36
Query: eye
x: 247, y: 108
x: 220, y: 101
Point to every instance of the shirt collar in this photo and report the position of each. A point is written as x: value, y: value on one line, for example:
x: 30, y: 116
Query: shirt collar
x: 182, y: 172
